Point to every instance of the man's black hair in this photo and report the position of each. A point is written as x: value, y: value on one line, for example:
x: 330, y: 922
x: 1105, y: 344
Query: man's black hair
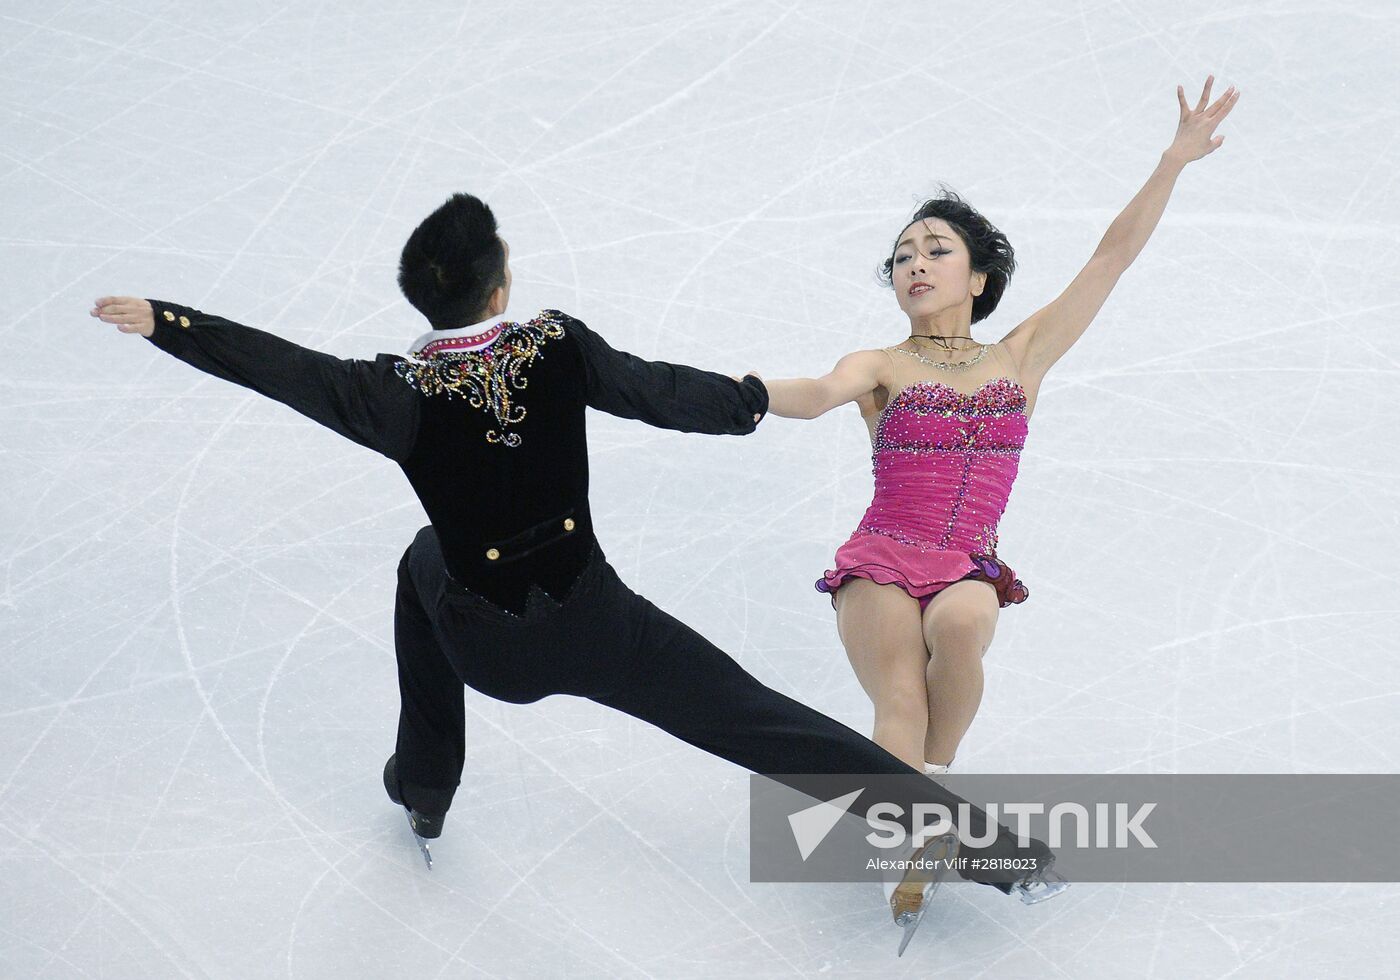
x: 452, y: 263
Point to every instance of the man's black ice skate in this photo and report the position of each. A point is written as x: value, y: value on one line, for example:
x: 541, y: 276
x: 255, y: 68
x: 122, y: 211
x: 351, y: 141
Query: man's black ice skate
x: 425, y: 826
x: 1035, y: 886
x: 1039, y: 886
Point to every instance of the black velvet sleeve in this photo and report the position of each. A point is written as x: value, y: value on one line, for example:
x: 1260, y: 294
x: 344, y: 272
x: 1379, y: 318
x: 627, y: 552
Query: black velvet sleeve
x: 669, y: 396
x: 365, y: 401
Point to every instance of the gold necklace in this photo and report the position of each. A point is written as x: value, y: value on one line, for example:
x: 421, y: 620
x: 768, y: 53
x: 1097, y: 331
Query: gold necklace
x: 945, y: 365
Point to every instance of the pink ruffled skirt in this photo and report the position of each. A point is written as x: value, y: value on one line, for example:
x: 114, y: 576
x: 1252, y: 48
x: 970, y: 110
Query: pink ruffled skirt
x: 920, y: 571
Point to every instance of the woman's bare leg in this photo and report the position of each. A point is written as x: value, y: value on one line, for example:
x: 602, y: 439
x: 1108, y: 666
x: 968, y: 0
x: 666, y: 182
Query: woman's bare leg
x: 957, y: 629
x: 879, y: 626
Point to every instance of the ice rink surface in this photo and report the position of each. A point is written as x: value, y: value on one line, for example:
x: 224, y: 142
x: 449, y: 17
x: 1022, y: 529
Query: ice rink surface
x: 197, y: 685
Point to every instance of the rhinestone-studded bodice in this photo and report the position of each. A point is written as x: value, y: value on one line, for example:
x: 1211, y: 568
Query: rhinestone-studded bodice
x: 944, y: 462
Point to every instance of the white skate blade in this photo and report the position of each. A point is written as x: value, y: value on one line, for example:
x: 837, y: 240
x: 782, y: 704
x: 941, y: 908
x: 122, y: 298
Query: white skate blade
x: 1041, y: 889
x: 910, y: 922
x: 942, y: 850
x: 422, y: 844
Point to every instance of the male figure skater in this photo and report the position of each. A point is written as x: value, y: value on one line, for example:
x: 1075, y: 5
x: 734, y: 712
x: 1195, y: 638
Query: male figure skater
x: 507, y: 590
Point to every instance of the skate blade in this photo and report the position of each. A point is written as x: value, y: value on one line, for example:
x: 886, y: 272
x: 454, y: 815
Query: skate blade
x: 1040, y: 889
x: 943, y: 850
x: 422, y: 844
x: 909, y: 921
x: 912, y: 925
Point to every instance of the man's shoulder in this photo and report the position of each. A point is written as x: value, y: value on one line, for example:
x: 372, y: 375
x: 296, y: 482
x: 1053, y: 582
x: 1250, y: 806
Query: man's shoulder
x: 540, y: 330
x: 547, y: 321
x: 553, y: 316
x: 564, y: 324
x: 545, y: 328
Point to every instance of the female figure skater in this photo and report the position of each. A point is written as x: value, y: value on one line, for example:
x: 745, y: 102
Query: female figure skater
x: 918, y: 586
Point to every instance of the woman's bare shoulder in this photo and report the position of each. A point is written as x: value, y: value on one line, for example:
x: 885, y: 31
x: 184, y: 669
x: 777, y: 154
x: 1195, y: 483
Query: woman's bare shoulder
x: 873, y: 363
x: 876, y: 371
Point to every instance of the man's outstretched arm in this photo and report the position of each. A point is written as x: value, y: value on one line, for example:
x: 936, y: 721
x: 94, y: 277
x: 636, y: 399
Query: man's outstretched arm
x: 362, y: 400
x: 670, y: 396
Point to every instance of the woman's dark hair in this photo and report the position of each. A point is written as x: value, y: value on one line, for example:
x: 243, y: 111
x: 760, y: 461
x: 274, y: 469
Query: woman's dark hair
x: 452, y: 263
x: 988, y: 249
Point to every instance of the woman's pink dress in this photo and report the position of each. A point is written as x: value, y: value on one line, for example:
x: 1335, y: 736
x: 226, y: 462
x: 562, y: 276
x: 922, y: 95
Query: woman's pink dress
x: 944, y: 463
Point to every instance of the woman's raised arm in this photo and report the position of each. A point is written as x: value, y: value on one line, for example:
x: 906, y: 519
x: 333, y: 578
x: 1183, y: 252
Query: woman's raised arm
x: 1044, y: 337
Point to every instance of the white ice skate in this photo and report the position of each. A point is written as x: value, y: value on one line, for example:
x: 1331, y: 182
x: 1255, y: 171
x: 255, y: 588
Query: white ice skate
x: 931, y: 863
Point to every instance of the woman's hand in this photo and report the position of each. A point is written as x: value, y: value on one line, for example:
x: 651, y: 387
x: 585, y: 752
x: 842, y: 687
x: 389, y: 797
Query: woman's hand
x: 1193, y: 131
x: 130, y: 314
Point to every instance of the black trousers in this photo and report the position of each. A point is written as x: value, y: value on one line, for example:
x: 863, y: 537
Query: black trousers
x: 608, y: 644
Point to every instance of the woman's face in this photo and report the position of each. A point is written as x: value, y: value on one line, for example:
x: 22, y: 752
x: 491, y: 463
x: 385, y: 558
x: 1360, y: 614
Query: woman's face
x: 931, y: 270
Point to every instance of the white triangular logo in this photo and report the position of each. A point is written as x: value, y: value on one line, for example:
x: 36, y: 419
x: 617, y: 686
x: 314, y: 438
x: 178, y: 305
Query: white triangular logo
x: 810, y: 826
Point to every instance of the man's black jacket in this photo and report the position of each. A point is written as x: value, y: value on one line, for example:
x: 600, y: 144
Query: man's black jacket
x: 487, y: 425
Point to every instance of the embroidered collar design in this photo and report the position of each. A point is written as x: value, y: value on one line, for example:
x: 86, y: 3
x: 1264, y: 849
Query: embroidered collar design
x: 484, y: 363
x: 462, y: 339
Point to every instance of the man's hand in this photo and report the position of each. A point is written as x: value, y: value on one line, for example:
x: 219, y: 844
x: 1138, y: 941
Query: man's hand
x: 756, y: 416
x: 130, y: 314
